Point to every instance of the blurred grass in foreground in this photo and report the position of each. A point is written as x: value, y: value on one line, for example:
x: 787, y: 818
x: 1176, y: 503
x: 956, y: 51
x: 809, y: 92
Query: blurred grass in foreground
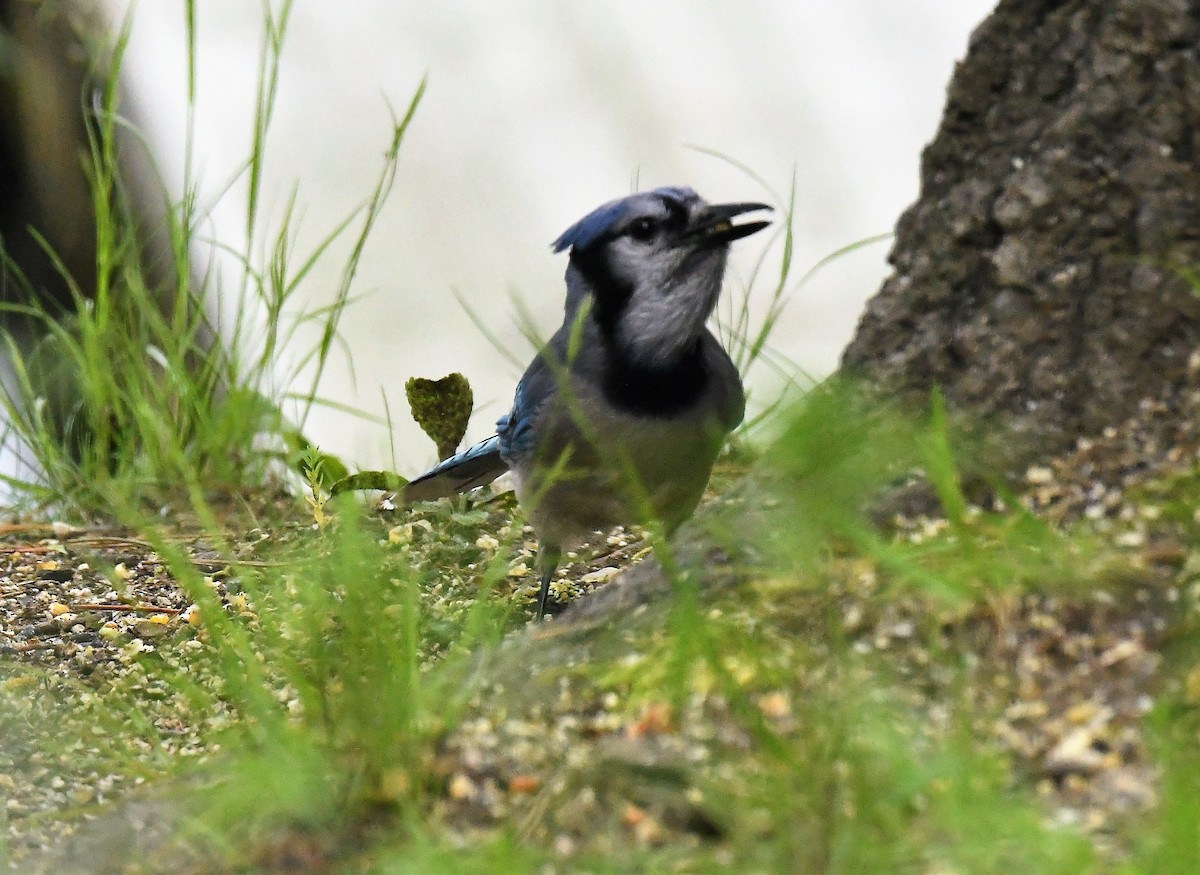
x: 379, y: 684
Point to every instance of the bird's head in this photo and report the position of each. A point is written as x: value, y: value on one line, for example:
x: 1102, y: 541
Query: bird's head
x: 653, y: 264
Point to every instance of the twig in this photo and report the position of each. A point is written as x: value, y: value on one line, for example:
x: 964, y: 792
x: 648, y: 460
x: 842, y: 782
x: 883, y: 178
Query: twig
x: 140, y: 609
x: 32, y: 645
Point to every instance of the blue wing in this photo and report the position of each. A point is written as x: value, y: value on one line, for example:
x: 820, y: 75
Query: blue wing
x: 514, y: 430
x: 519, y: 429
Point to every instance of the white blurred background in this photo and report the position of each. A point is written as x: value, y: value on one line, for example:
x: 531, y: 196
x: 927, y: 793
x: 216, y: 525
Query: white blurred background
x: 536, y: 112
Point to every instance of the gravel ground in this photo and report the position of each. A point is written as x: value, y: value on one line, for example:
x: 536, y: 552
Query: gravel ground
x: 80, y: 613
x: 1065, y: 677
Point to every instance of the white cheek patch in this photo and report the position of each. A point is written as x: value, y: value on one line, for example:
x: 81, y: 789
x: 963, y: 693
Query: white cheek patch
x: 664, y: 316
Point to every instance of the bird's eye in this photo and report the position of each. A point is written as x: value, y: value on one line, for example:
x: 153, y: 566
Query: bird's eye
x: 643, y: 229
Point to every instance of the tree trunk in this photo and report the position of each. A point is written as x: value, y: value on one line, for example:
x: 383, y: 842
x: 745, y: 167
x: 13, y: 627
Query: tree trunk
x: 54, y: 58
x: 45, y: 199
x: 1038, y: 277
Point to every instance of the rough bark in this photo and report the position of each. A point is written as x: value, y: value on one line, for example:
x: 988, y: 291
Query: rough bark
x: 1037, y: 278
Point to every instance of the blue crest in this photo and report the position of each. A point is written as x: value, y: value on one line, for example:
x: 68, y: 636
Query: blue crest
x: 591, y: 227
x: 599, y: 221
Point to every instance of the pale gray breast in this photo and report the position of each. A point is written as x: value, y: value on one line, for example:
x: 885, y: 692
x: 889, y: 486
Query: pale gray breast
x: 669, y: 460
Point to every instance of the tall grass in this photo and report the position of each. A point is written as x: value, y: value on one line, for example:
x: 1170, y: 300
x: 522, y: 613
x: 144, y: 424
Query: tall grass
x: 137, y: 393
x: 749, y: 317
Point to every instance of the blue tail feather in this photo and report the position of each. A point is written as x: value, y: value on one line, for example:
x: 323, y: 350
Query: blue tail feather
x: 474, y: 466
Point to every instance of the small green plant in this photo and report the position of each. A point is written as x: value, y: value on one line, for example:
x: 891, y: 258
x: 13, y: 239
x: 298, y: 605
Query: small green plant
x: 442, y: 408
x: 312, y: 466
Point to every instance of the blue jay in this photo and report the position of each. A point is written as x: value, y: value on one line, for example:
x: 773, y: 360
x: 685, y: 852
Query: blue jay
x: 620, y: 417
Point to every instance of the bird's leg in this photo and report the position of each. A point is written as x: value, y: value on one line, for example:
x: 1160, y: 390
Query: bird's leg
x: 548, y: 556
